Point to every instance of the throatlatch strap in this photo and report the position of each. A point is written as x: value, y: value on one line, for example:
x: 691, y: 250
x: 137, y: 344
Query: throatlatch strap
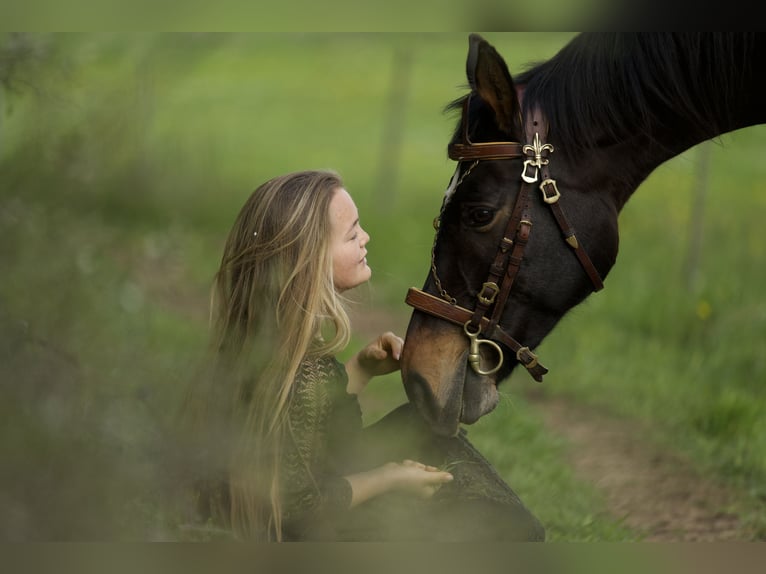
x: 551, y: 196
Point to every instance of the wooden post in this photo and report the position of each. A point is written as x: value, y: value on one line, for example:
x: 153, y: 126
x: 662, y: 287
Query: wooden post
x: 393, y: 128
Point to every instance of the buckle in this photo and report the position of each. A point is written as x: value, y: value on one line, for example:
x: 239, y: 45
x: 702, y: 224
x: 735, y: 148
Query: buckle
x: 490, y: 298
x: 529, y: 178
x: 526, y: 358
x: 545, y: 186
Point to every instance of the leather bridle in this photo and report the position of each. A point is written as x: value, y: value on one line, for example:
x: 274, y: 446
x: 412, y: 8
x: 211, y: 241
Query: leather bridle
x: 492, y: 297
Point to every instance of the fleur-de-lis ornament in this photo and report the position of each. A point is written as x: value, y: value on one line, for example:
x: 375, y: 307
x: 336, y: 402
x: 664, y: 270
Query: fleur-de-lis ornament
x: 536, y: 150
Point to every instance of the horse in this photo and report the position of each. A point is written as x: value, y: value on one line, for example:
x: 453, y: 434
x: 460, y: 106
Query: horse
x: 545, y: 163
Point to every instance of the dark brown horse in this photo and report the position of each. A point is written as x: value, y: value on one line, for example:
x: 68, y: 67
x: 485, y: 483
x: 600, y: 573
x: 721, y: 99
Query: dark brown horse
x: 528, y: 226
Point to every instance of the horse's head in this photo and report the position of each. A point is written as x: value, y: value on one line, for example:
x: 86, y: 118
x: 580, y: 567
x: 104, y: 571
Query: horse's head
x: 510, y: 256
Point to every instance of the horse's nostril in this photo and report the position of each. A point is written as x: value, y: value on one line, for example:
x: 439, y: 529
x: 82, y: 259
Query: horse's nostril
x: 442, y: 421
x: 418, y: 392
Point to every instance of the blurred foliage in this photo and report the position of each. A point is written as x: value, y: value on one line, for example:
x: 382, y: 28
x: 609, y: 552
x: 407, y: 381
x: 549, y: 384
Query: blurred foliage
x: 124, y: 159
x: 331, y: 15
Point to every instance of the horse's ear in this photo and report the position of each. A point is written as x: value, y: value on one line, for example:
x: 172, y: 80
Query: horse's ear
x: 489, y: 77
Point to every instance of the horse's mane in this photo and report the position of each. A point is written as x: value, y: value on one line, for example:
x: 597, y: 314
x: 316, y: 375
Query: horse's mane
x: 625, y: 83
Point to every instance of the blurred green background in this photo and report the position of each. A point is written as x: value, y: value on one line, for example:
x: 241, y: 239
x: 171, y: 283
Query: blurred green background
x: 124, y: 159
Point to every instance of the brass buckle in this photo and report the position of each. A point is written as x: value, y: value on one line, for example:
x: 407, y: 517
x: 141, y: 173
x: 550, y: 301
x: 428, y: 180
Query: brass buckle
x: 539, y: 161
x: 488, y: 299
x: 524, y: 176
x: 531, y: 364
x: 553, y: 198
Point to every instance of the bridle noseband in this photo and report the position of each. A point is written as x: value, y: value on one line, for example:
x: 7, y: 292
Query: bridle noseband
x: 493, y: 295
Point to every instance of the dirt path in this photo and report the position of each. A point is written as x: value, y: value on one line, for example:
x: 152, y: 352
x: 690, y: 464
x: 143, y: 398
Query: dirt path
x: 656, y: 492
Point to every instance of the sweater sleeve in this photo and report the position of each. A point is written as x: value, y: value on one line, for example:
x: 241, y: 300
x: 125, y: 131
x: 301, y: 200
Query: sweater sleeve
x: 312, y: 483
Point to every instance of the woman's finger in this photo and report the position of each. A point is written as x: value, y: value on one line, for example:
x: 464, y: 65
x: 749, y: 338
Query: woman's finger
x: 392, y: 343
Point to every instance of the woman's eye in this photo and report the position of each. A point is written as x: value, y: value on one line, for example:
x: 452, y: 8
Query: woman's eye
x: 478, y: 216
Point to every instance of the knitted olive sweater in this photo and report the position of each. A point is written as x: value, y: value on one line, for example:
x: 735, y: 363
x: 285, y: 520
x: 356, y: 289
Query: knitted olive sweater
x: 326, y: 441
x: 325, y: 425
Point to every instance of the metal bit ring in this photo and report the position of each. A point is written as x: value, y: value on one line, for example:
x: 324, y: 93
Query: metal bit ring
x: 474, y: 357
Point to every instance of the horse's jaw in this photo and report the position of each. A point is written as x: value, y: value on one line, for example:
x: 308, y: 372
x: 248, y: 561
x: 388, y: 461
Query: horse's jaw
x: 445, y: 391
x: 480, y: 396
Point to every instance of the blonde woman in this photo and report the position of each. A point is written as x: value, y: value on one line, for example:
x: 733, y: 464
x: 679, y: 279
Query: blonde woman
x: 278, y: 421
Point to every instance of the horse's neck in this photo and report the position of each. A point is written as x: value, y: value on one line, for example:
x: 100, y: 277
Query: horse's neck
x: 672, y: 134
x: 721, y: 107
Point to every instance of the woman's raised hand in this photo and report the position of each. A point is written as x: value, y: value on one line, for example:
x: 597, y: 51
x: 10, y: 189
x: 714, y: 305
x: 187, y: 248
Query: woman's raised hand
x: 382, y: 355
x: 378, y: 358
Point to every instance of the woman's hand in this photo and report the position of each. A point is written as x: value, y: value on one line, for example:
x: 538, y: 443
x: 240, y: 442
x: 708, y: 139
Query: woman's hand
x: 378, y: 358
x: 382, y: 355
x: 417, y: 478
x: 407, y: 476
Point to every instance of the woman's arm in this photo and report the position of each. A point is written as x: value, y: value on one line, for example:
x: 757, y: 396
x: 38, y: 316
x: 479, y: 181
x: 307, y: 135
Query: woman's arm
x: 378, y: 358
x: 407, y: 476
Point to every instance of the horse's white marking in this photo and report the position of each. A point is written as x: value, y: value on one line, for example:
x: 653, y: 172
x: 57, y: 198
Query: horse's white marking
x: 450, y: 191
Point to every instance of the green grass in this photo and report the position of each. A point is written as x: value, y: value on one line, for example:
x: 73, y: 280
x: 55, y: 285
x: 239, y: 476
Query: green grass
x: 123, y: 170
x: 533, y: 462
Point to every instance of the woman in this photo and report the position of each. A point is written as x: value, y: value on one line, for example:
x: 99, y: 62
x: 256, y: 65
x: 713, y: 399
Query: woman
x: 286, y: 455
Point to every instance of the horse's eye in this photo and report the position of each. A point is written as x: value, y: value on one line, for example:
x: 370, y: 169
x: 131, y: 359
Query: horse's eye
x: 478, y: 216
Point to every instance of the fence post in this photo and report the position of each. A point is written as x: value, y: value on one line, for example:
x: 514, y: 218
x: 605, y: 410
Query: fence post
x: 697, y: 217
x: 393, y: 127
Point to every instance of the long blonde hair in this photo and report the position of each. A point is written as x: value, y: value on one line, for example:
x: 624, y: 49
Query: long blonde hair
x: 273, y: 298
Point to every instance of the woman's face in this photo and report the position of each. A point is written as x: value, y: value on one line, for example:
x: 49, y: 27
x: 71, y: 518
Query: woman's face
x: 347, y: 243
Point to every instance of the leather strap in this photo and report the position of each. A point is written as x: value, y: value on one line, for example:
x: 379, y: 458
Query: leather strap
x: 489, y: 150
x: 512, y: 269
x: 497, y: 283
x: 437, y: 307
x: 469, y: 150
x: 571, y: 239
x: 551, y: 196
